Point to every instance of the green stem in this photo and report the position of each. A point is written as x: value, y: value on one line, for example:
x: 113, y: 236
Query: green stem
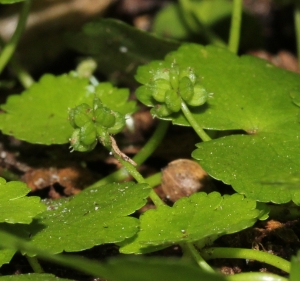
x: 238, y: 253
x: 297, y: 28
x: 235, y: 29
x: 139, y: 178
x: 255, y: 276
x: 192, y: 251
x: 35, y: 265
x: 154, y: 180
x: 11, y: 45
x: 140, y: 157
x: 187, y: 9
x: 24, y: 77
x: 201, y: 133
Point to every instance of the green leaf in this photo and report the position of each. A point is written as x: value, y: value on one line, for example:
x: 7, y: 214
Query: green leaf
x: 93, y: 217
x: 198, y: 217
x: 33, y: 277
x: 6, y: 253
x: 117, y: 47
x: 40, y: 114
x: 170, y: 20
x: 115, y: 98
x: 252, y: 96
x: 295, y: 268
x: 10, y: 1
x: 121, y: 268
x: 15, y: 207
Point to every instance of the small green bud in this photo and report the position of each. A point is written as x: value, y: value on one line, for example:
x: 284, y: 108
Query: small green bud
x: 173, y: 101
x: 174, y: 75
x: 97, y: 103
x: 119, y: 124
x: 186, y: 88
x: 77, y: 145
x: 88, y: 134
x: 80, y: 115
x: 188, y: 72
x: 200, y: 96
x: 103, y: 135
x: 161, y: 110
x: 159, y: 88
x: 104, y: 116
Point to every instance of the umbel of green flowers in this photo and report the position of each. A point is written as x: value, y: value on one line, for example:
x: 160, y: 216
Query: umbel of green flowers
x: 92, y: 124
x: 172, y: 85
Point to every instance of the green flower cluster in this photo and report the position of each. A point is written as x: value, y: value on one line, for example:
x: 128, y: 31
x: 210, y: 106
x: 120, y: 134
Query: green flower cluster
x: 172, y: 85
x: 92, y: 124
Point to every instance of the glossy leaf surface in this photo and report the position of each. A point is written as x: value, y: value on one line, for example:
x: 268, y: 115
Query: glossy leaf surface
x: 93, y: 217
x: 40, y: 114
x: 256, y: 99
x: 198, y: 217
x: 15, y: 207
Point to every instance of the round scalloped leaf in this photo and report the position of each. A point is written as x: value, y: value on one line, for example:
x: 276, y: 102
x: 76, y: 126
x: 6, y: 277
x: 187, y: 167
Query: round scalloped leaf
x: 93, y: 217
x: 192, y: 219
x: 115, y: 98
x: 40, y: 114
x: 253, y: 96
x: 15, y: 207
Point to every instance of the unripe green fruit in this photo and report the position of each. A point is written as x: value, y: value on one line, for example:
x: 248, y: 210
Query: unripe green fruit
x: 97, y: 103
x: 174, y: 76
x: 173, y: 101
x: 105, y: 117
x: 188, y: 72
x: 88, y: 134
x: 103, y: 135
x: 200, y: 96
x: 161, y: 110
x: 80, y: 115
x: 186, y: 88
x: 77, y: 145
x: 159, y: 88
x: 119, y: 124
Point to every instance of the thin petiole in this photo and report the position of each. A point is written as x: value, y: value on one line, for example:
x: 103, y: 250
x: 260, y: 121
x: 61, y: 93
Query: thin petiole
x: 297, y: 28
x: 190, y: 249
x: 239, y: 253
x: 11, y: 45
x: 235, y: 28
x: 200, y: 132
x: 141, y: 156
x: 139, y: 178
